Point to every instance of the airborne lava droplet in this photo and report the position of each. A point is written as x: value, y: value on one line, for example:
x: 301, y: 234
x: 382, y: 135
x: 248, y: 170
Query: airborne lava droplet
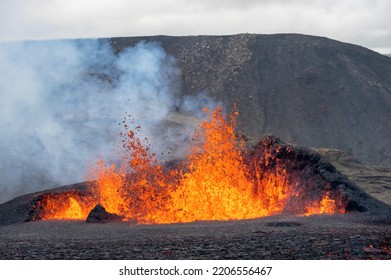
x: 214, y: 183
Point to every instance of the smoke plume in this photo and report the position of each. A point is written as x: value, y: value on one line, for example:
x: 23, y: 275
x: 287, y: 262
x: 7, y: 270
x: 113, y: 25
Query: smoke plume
x: 62, y: 103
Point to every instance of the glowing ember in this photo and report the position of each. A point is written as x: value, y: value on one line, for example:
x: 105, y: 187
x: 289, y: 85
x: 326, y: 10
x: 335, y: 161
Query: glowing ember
x: 214, y: 183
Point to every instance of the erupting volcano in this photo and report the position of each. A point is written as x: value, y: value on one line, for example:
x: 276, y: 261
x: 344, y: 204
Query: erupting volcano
x: 219, y: 180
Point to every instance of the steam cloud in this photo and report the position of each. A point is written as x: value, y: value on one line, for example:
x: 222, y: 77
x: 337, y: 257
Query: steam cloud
x: 61, y: 103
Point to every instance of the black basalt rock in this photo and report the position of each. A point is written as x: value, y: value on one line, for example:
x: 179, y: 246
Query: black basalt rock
x: 100, y: 215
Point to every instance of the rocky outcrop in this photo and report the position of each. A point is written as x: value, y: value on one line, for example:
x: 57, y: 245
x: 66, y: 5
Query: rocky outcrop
x: 307, y: 175
x: 100, y: 215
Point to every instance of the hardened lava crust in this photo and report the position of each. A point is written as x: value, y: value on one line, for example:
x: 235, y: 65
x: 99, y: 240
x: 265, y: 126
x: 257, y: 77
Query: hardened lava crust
x: 349, y: 236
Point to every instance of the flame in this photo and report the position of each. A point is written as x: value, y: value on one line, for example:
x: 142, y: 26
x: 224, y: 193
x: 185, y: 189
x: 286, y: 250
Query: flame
x: 65, y: 206
x: 214, y: 183
x: 325, y: 206
x: 216, y: 186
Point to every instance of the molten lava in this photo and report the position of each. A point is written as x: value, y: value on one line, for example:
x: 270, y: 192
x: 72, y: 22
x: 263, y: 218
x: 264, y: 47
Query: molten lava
x: 71, y: 206
x: 324, y: 206
x: 214, y: 183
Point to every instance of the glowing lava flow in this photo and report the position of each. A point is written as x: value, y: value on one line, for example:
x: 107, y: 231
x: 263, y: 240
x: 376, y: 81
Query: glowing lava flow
x: 70, y: 206
x: 325, y: 206
x: 216, y: 186
x: 212, y: 184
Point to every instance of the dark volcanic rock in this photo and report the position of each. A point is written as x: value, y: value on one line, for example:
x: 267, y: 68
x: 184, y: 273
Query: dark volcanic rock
x: 309, y: 173
x: 272, y: 238
x: 311, y: 91
x: 100, y: 215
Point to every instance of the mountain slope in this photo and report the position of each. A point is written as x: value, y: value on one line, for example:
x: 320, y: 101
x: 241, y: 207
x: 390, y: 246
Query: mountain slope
x: 311, y: 91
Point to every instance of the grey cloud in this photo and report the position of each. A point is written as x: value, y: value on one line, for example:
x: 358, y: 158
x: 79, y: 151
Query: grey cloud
x: 60, y: 101
x: 347, y: 20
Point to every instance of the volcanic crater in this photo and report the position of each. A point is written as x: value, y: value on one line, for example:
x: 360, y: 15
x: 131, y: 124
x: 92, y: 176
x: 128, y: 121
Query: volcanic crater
x: 311, y: 175
x: 359, y: 227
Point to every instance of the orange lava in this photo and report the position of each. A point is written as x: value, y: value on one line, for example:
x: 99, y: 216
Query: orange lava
x: 325, y: 206
x: 68, y: 206
x: 215, y: 185
x: 212, y: 184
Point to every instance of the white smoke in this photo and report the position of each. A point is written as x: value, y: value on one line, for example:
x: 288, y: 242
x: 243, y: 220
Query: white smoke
x: 61, y: 103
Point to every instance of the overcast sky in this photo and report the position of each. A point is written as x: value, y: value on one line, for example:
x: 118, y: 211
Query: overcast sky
x: 363, y: 22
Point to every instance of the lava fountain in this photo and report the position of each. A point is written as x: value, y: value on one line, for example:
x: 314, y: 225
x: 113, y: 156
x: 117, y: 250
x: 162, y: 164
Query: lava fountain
x: 219, y: 180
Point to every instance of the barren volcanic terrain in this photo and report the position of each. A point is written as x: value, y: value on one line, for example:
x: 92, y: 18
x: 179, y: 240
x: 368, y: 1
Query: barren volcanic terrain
x: 273, y: 200
x: 352, y: 236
